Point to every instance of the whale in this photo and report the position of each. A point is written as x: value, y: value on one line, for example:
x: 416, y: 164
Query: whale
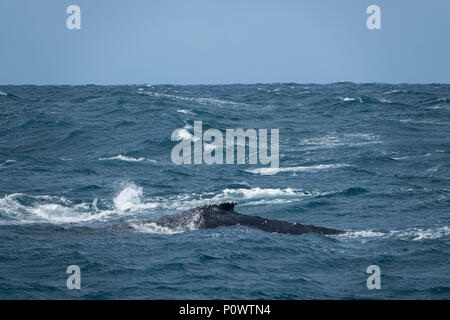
x: 224, y: 215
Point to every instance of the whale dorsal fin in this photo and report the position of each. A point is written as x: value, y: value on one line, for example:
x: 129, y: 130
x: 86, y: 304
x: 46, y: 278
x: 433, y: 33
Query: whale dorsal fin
x: 227, y: 206
x: 224, y: 206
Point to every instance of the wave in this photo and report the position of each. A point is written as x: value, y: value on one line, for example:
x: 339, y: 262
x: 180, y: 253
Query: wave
x: 3, y: 93
x: 184, y: 111
x: 414, y: 234
x: 349, y: 99
x: 395, y: 91
x: 128, y: 159
x: 7, y: 162
x: 439, y: 100
x: 20, y: 208
x: 273, y: 171
x: 24, y: 209
x: 383, y: 100
x: 333, y: 140
x: 250, y: 196
x: 130, y: 198
x: 201, y: 100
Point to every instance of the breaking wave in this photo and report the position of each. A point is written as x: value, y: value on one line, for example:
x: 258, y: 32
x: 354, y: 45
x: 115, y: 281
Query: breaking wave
x: 128, y: 159
x: 273, y: 171
x: 334, y: 140
x: 201, y: 100
x: 20, y: 208
x: 184, y: 111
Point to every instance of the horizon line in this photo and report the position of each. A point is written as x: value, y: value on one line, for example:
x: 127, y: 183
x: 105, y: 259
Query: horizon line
x: 222, y: 84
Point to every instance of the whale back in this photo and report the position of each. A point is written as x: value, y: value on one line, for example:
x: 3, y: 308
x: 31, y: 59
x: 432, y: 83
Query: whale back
x: 224, y: 206
x: 227, y: 206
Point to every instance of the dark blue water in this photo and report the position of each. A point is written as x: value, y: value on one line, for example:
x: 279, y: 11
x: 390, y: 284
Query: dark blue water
x: 372, y: 159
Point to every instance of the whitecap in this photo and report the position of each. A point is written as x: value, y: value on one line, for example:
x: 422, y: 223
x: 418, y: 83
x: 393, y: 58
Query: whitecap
x: 184, y: 111
x: 413, y: 234
x: 394, y: 91
x: 273, y: 171
x: 400, y: 158
x: 349, y: 99
x: 201, y: 100
x: 383, y: 100
x: 361, y: 234
x: 333, y: 140
x: 184, y: 134
x: 59, y: 214
x: 48, y: 209
x: 59, y: 210
x: 125, y: 158
x: 250, y: 196
x: 7, y: 162
x: 416, y: 234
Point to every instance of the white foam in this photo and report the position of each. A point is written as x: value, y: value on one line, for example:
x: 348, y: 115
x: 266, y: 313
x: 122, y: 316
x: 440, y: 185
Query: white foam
x: 59, y: 210
x: 184, y: 134
x: 416, y: 234
x: 302, y: 93
x: 273, y: 171
x: 184, y: 111
x: 56, y: 213
x: 201, y: 100
x: 383, y: 100
x: 56, y: 210
x: 130, y: 199
x: 333, y: 140
x: 361, y: 234
x: 394, y: 91
x: 3, y: 93
x: 128, y: 159
x: 349, y: 99
x: 252, y: 196
x: 7, y: 162
x: 151, y: 227
x: 400, y: 158
x: 188, y: 222
x: 413, y: 234
x: 421, y: 234
x: 256, y: 193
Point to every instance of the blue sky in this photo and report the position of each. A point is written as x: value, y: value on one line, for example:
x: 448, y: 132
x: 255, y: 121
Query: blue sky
x: 223, y: 41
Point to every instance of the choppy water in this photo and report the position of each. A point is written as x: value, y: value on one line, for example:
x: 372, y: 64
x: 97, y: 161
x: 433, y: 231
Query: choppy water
x: 372, y: 159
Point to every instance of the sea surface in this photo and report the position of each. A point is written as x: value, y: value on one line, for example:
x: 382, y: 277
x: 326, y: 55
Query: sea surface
x: 371, y: 159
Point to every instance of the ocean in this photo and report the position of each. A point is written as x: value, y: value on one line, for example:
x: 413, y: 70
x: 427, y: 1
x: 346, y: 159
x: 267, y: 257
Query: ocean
x: 370, y: 159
